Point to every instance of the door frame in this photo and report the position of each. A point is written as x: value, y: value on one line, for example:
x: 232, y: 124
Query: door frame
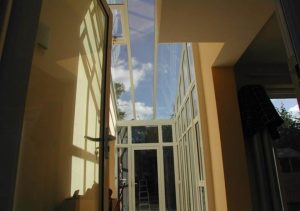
x: 159, y: 146
x: 160, y: 174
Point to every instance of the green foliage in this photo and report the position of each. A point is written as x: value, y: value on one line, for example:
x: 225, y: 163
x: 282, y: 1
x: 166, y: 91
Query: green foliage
x: 290, y: 121
x: 119, y: 90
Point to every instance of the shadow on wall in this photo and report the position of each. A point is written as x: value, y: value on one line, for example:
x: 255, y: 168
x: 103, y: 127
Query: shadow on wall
x: 63, y: 105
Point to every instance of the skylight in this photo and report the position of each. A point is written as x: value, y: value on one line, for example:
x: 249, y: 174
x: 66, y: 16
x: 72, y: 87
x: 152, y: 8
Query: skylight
x: 144, y: 72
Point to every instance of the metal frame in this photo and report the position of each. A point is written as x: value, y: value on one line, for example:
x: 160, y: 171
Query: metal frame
x: 184, y: 132
x: 125, y: 40
x: 148, y: 146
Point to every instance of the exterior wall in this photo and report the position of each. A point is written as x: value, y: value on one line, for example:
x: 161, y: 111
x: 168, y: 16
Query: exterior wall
x: 227, y: 178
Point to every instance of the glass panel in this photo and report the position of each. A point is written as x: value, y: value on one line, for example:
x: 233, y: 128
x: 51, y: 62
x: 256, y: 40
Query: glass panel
x: 117, y: 24
x: 141, y: 22
x: 195, y: 102
x: 167, y: 133
x: 122, y: 135
x: 63, y: 106
x: 146, y: 180
x: 287, y: 150
x: 183, y: 119
x: 169, y: 56
x: 179, y: 127
x: 192, y: 169
x: 182, y: 172
x: 115, y: 1
x: 181, y: 89
x: 121, y: 81
x: 186, y: 72
x: 187, y: 174
x: 178, y: 103
x: 191, y: 61
x: 169, y: 174
x: 144, y: 134
x: 199, y: 149
x: 202, y: 199
x: 188, y: 112
x: 123, y: 194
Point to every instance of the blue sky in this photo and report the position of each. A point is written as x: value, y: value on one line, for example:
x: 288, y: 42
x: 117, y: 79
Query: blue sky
x: 141, y: 26
x: 287, y: 103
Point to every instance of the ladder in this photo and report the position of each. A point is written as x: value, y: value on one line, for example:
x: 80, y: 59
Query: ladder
x: 144, y: 204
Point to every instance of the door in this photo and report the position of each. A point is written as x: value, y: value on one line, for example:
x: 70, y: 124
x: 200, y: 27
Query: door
x: 146, y: 179
x: 62, y: 152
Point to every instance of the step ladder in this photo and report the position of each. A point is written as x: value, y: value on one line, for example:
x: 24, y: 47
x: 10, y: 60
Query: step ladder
x: 144, y: 202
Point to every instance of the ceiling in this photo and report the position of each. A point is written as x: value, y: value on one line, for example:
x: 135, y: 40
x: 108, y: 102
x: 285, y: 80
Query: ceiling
x: 267, y: 47
x: 232, y: 22
x: 265, y: 62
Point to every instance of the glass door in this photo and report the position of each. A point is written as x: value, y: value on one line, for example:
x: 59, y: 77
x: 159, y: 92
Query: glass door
x: 61, y: 155
x: 123, y: 179
x: 146, y: 180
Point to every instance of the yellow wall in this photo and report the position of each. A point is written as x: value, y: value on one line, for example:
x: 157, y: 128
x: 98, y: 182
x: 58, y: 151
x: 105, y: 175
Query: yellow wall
x: 62, y: 106
x: 234, y: 157
x: 204, y: 56
x: 226, y: 173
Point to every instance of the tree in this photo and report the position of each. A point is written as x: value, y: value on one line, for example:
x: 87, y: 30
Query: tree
x: 119, y: 90
x: 289, y: 130
x: 290, y: 121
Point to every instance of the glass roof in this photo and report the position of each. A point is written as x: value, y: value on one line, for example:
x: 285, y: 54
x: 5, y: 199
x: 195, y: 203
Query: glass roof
x: 144, y: 72
x: 169, y: 56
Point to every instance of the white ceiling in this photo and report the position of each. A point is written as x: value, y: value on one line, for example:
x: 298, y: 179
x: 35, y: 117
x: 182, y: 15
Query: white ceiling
x: 232, y: 22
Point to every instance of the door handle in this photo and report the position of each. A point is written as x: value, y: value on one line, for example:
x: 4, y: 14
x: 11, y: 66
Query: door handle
x: 107, y: 137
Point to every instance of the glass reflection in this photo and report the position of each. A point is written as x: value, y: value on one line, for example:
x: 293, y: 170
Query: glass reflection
x: 121, y: 81
x: 123, y: 192
x: 167, y: 133
x: 117, y: 24
x: 144, y: 134
x: 146, y: 180
x: 170, y: 192
x: 122, y: 135
x: 63, y: 105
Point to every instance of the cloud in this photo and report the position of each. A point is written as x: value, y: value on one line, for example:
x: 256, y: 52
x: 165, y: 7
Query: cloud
x: 141, y: 18
x: 142, y: 110
x: 120, y: 72
x: 294, y: 108
x: 295, y: 111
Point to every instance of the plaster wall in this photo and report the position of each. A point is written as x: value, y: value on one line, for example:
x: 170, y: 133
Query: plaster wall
x: 62, y: 106
x: 226, y: 168
x: 232, y: 140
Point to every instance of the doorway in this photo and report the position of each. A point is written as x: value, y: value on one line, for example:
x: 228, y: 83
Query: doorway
x: 145, y: 168
x: 267, y: 63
